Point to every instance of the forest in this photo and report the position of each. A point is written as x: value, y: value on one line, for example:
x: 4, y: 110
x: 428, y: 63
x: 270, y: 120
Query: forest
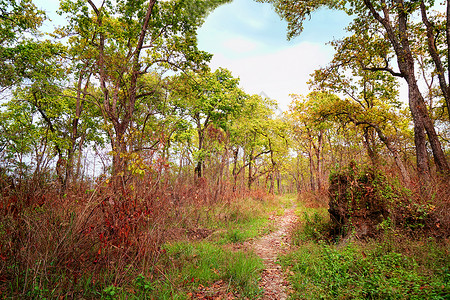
x: 129, y: 169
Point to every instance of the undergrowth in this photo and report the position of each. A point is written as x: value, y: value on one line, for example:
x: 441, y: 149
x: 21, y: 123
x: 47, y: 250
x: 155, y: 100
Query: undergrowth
x: 240, y: 220
x: 139, y: 243
x: 186, y: 266
x: 369, y: 271
x: 195, y: 264
x: 392, y: 266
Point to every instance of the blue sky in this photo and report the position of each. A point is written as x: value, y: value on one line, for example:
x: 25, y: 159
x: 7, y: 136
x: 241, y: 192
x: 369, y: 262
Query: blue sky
x: 249, y: 39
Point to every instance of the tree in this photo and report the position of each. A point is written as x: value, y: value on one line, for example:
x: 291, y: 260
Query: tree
x: 371, y: 102
x: 20, y: 52
x: 18, y: 139
x: 259, y: 141
x: 390, y: 18
x: 309, y: 131
x: 208, y: 99
x: 124, y: 40
x: 33, y: 68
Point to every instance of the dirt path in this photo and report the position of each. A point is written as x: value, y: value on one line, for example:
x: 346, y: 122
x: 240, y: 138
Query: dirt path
x: 268, y: 248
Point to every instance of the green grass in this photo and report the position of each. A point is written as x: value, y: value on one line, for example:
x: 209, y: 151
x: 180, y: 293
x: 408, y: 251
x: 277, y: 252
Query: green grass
x: 185, y: 266
x: 390, y: 267
x: 314, y: 225
x: 181, y: 270
x: 242, y: 220
x: 241, y: 232
x: 363, y: 272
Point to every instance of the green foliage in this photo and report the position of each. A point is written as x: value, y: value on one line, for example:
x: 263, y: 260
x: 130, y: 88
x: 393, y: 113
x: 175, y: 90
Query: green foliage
x: 383, y: 33
x: 132, y: 42
x: 110, y: 292
x: 143, y: 286
x: 364, y: 272
x: 23, y: 56
x: 393, y: 266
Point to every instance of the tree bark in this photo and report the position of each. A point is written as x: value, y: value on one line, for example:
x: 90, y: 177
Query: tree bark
x: 433, y: 51
x: 368, y: 142
x: 405, y: 60
x: 250, y: 170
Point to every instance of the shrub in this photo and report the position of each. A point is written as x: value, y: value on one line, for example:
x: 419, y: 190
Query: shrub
x: 312, y: 227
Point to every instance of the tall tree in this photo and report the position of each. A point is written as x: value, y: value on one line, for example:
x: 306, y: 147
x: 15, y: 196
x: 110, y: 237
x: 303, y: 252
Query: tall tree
x: 372, y: 96
x: 126, y: 40
x: 392, y: 19
x: 208, y: 98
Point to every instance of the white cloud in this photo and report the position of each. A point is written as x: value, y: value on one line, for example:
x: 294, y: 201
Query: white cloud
x: 240, y: 45
x: 278, y: 73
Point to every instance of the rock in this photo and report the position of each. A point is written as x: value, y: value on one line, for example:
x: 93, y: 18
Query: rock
x: 355, y: 202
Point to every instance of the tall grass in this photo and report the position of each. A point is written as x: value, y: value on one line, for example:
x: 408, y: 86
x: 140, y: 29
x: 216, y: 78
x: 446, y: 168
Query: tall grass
x: 96, y: 242
x: 195, y: 264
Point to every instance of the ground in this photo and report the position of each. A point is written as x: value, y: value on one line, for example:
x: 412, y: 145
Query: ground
x: 268, y: 248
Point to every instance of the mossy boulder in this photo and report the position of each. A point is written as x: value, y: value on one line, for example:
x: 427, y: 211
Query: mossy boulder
x: 359, y: 201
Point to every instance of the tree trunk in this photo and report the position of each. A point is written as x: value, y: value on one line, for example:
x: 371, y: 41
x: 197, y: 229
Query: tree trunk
x: 311, y: 173
x: 234, y: 172
x: 198, y: 168
x: 250, y: 170
x: 395, y: 154
x: 434, y: 52
x: 368, y: 142
x: 271, y: 182
x: 278, y: 183
x: 120, y: 161
x: 318, y: 153
x: 400, y: 41
x: 420, y: 133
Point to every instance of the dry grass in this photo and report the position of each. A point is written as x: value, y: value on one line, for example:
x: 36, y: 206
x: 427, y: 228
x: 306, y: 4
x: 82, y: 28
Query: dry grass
x: 93, y: 237
x: 313, y: 199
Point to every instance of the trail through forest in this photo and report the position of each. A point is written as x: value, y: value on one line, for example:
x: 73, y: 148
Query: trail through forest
x: 268, y: 248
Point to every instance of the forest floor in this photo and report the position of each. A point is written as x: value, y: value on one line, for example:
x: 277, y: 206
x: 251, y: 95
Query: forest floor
x: 269, y: 247
x: 299, y: 261
x: 251, y: 248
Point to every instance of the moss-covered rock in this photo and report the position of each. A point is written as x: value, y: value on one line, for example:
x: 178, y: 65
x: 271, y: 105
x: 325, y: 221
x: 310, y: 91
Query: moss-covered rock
x: 359, y: 200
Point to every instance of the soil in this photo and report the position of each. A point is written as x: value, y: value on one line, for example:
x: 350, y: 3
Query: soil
x: 268, y: 248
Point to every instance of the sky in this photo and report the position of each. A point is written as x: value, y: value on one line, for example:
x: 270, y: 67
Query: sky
x: 249, y: 39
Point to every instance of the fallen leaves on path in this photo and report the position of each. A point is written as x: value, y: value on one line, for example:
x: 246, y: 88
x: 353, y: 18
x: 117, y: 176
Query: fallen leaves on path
x: 268, y: 248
